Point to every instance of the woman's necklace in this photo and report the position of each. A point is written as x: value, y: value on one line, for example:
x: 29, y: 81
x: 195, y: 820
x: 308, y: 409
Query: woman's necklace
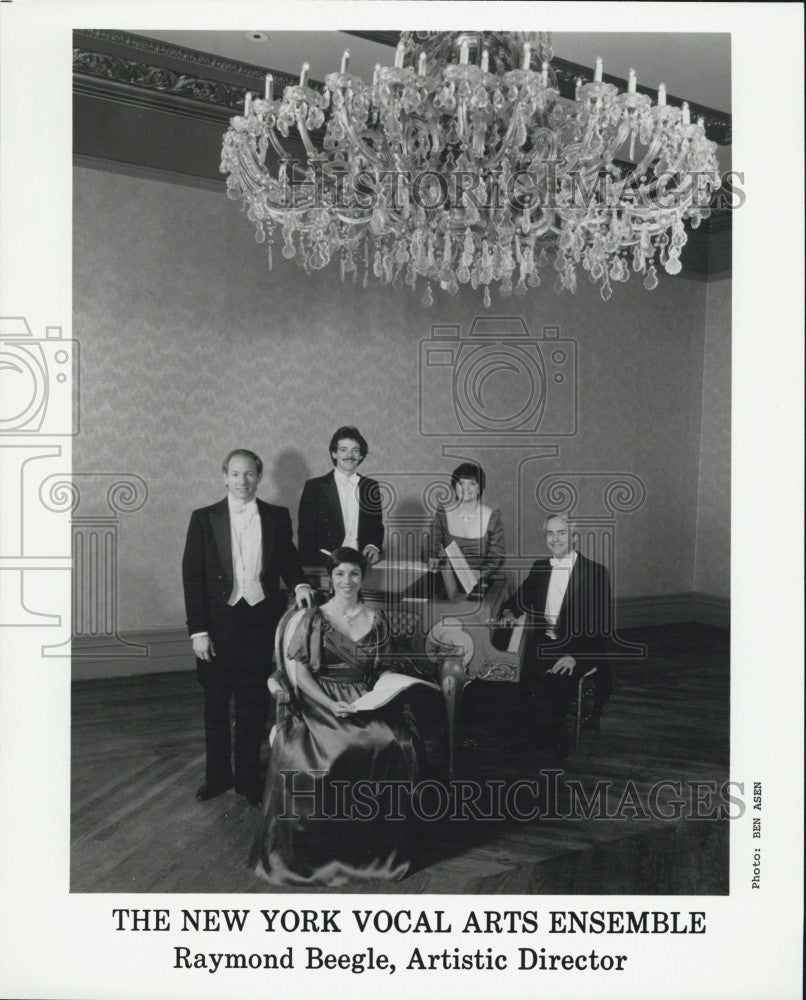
x: 469, y: 514
x: 349, y: 616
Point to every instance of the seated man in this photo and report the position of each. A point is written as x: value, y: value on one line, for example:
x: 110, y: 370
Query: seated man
x: 341, y: 508
x: 569, y: 612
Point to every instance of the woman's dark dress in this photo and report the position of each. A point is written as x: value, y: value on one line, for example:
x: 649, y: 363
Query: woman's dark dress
x: 485, y: 554
x: 303, y: 840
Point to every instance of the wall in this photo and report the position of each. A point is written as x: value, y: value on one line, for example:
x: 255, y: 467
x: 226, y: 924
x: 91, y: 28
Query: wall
x: 712, y: 565
x: 190, y: 346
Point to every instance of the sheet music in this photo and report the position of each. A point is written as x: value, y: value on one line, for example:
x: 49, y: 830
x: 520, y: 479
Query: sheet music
x: 514, y: 644
x: 389, y: 686
x: 464, y: 574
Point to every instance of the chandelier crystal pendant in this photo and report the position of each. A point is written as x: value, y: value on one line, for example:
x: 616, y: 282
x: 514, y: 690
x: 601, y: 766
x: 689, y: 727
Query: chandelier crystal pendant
x: 462, y: 164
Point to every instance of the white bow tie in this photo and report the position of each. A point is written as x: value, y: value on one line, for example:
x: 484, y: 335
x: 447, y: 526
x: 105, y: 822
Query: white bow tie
x: 247, y: 508
x: 564, y: 562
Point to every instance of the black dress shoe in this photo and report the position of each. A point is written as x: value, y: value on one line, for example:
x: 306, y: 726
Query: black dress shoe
x: 253, y: 793
x: 209, y: 791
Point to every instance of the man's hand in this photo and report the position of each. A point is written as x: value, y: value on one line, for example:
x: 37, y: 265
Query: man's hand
x: 565, y: 665
x: 507, y: 617
x: 203, y: 647
x: 371, y: 554
x: 304, y: 596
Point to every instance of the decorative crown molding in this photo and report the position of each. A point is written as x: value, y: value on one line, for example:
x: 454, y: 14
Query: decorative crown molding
x: 91, y: 60
x: 138, y: 74
x: 153, y: 48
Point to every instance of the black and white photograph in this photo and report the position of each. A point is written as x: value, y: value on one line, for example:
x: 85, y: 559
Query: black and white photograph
x: 402, y: 496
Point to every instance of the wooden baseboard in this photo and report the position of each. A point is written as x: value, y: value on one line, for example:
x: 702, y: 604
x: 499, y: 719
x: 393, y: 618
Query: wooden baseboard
x: 168, y: 649
x: 672, y: 609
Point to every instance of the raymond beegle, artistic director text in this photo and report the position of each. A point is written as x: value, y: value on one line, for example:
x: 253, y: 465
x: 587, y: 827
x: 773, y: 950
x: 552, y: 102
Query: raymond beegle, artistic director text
x: 306, y: 939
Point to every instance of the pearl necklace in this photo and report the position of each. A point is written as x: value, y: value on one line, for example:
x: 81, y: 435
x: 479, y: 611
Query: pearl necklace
x: 351, y: 617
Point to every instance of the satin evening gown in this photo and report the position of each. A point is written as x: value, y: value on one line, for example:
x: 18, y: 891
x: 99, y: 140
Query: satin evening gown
x: 315, y: 837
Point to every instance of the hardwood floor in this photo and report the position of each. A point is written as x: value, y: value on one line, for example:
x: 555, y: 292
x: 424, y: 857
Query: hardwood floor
x: 138, y: 756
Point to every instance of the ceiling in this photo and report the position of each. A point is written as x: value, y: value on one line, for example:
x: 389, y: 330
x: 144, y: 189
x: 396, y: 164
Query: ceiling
x: 693, y: 66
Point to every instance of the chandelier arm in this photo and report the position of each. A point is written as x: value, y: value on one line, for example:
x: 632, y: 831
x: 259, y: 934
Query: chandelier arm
x: 351, y: 222
x: 496, y: 158
x: 366, y: 150
x: 250, y: 167
x: 278, y: 147
x: 617, y: 142
x: 302, y: 128
x: 591, y: 169
x: 675, y: 166
x: 651, y: 154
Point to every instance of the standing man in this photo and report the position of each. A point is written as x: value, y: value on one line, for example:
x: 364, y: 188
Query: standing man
x: 569, y: 611
x: 235, y: 554
x: 341, y: 508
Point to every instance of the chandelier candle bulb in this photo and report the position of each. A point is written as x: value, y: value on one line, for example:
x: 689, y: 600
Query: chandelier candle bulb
x: 545, y: 74
x: 597, y: 71
x: 400, y: 51
x: 269, y: 86
x: 686, y: 114
x: 662, y: 96
x: 345, y: 60
x: 422, y: 64
x: 303, y: 76
x: 578, y: 88
x: 631, y: 82
x: 701, y: 122
x: 464, y: 53
x: 485, y: 61
x: 247, y: 104
x: 376, y: 74
x: 527, y: 55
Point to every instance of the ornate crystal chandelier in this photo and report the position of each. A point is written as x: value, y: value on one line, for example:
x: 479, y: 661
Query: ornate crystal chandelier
x: 461, y: 164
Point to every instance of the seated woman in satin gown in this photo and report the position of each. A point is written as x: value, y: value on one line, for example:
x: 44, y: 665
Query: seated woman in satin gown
x: 476, y: 528
x: 325, y: 746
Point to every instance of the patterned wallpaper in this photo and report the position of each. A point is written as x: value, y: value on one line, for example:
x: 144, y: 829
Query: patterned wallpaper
x: 190, y: 347
x: 712, y: 570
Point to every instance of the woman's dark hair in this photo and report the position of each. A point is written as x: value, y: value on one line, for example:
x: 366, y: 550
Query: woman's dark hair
x: 348, y: 432
x: 468, y: 470
x: 344, y: 554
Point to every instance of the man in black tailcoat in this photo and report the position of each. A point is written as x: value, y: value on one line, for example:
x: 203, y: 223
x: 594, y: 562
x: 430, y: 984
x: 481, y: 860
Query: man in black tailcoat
x: 236, y: 553
x: 342, y: 507
x: 568, y: 604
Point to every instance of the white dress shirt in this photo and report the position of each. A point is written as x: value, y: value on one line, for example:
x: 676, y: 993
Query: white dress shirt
x: 558, y: 584
x: 247, y: 555
x: 348, y: 500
